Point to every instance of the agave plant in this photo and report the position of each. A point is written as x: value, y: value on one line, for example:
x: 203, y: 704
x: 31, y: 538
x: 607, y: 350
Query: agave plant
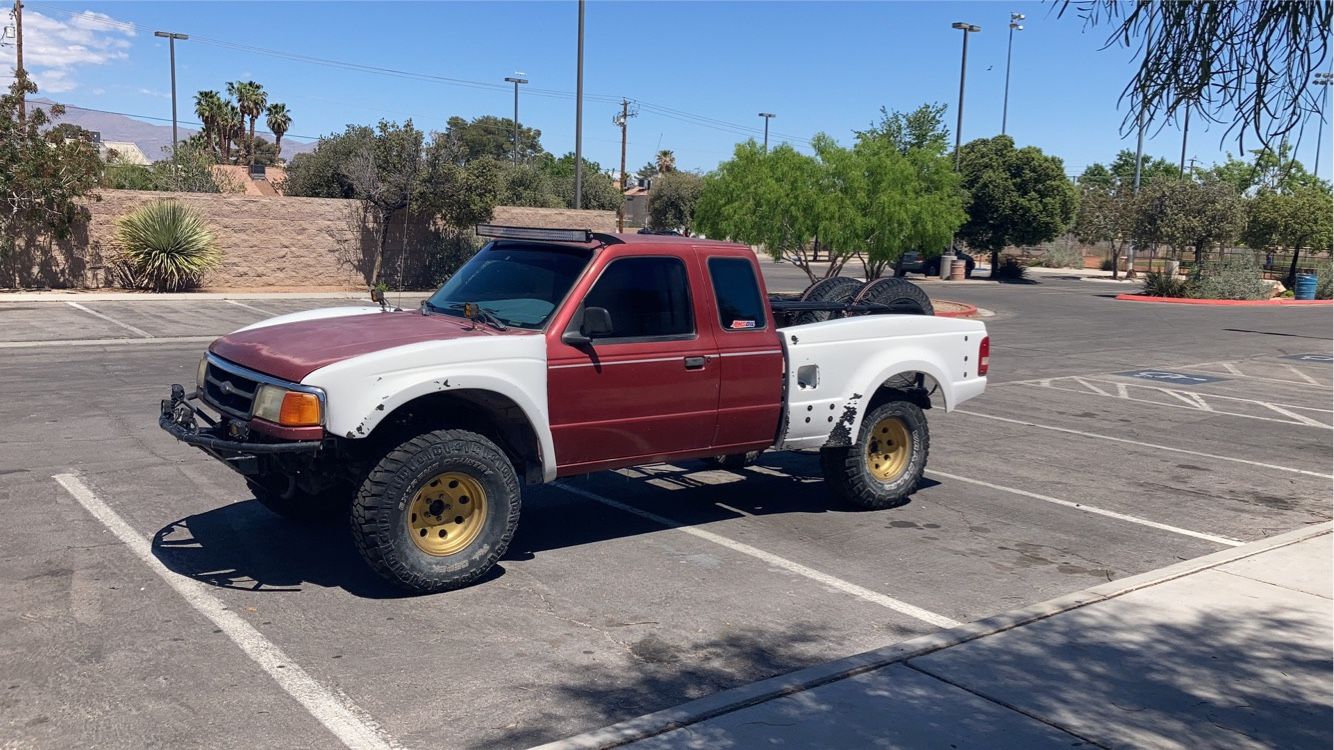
x: 167, y: 246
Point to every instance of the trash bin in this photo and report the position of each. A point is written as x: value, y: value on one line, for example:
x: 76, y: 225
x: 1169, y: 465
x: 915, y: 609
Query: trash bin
x: 1305, y: 286
x: 959, y: 269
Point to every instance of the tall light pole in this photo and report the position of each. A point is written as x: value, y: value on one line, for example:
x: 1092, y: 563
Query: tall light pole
x: 516, y: 81
x: 579, y: 119
x: 966, y: 28
x: 1323, y: 81
x: 18, y: 59
x: 767, y: 116
x: 171, y: 43
x: 1015, y: 25
x: 1185, y: 134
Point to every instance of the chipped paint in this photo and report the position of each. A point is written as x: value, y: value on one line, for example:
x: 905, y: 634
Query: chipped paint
x: 841, y: 435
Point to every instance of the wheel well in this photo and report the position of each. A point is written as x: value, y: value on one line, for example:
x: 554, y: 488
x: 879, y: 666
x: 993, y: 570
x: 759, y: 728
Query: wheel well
x: 487, y: 413
x: 913, y: 387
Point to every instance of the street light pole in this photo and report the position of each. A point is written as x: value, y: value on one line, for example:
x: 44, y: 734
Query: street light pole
x: 579, y: 119
x: 516, y: 81
x: 1323, y: 81
x: 1185, y: 134
x: 171, y: 43
x: 1015, y: 25
x: 766, y: 116
x: 966, y: 28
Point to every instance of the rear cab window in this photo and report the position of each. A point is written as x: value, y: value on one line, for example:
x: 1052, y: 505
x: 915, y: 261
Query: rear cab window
x: 740, y: 306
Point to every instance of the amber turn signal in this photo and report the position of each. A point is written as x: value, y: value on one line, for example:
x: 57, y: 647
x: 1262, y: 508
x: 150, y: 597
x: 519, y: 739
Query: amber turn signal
x: 299, y: 410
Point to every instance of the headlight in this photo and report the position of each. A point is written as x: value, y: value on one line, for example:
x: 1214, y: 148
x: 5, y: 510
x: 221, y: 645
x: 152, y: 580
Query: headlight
x: 201, y: 372
x: 287, y: 408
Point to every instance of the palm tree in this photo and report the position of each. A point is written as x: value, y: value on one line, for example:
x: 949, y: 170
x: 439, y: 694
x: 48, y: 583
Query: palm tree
x: 251, y: 99
x: 231, y: 125
x: 209, y: 109
x: 666, y: 161
x: 279, y: 120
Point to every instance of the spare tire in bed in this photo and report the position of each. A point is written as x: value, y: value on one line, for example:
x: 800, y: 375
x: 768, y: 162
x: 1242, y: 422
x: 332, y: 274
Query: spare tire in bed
x: 902, y: 297
x: 832, y: 289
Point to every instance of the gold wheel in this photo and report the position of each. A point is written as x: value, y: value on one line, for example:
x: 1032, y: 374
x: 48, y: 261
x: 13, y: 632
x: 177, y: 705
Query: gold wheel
x: 888, y: 449
x: 447, y: 514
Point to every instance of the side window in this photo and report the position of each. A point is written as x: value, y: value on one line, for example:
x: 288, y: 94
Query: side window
x: 645, y: 297
x: 740, y: 307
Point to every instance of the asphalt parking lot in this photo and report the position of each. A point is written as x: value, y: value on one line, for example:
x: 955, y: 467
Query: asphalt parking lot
x: 146, y: 600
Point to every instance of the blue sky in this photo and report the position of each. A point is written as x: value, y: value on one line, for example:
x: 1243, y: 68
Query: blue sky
x: 819, y: 66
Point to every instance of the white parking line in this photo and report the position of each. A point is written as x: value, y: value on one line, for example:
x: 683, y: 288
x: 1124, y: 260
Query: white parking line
x: 1092, y: 509
x: 1302, y: 375
x: 248, y: 307
x: 1128, y: 441
x: 110, y: 319
x: 1193, y: 402
x: 336, y: 712
x: 846, y: 587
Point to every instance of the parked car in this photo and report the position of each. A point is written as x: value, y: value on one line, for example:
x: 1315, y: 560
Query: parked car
x: 913, y: 262
x: 554, y: 353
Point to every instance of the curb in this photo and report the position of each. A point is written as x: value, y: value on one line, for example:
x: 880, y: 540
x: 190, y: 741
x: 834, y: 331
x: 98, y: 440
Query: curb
x: 1277, y: 301
x: 969, y: 311
x: 755, y: 693
x: 179, y: 296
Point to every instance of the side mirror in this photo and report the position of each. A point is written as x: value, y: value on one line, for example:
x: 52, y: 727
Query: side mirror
x: 589, y: 323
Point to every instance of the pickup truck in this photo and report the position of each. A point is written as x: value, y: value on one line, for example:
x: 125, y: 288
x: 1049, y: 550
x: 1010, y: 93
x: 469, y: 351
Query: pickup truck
x: 554, y: 353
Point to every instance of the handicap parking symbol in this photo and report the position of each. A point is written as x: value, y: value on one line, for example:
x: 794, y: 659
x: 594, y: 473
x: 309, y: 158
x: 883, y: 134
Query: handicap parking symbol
x: 1321, y: 358
x: 1180, y: 378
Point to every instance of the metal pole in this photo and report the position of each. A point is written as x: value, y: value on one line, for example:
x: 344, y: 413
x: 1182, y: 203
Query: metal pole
x: 967, y: 29
x: 766, y: 116
x: 171, y: 38
x: 18, y: 44
x: 579, y: 119
x: 1322, y: 80
x: 516, y: 81
x: 1185, y: 134
x: 1005, y: 106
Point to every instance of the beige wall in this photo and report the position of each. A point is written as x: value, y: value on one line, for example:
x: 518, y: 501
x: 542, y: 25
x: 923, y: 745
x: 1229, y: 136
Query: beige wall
x: 266, y: 243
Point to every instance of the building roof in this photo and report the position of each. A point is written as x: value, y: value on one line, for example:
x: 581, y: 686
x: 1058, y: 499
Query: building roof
x: 127, y: 151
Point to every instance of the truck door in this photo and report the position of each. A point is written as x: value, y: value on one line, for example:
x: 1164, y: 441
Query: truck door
x: 646, y: 388
x: 750, y: 398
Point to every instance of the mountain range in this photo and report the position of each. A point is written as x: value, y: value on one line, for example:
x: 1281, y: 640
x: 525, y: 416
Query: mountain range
x: 151, y: 139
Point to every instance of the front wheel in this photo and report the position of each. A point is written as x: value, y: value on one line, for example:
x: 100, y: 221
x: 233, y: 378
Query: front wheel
x: 437, y: 512
x: 882, y: 469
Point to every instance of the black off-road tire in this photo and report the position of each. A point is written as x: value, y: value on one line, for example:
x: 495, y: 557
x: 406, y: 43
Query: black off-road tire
x: 734, y: 462
x: 832, y: 289
x: 846, y: 471
x: 379, y: 514
x: 902, y: 296
x: 281, y: 498
x: 931, y: 268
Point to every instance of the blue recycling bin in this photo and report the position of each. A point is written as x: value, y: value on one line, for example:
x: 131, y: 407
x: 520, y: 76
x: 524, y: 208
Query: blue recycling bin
x: 1305, y: 286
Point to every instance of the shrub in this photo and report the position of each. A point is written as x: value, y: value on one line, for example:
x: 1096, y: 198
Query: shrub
x: 1062, y: 256
x: 1011, y: 270
x: 1106, y: 264
x: 1234, y: 277
x: 1164, y: 285
x: 164, y: 247
x: 1324, y: 281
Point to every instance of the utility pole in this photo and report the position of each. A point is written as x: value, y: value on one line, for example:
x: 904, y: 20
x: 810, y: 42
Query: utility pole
x: 579, y: 119
x: 171, y: 42
x: 514, y: 79
x: 767, y: 116
x: 1015, y: 25
x: 622, y: 120
x: 18, y: 69
x: 966, y: 28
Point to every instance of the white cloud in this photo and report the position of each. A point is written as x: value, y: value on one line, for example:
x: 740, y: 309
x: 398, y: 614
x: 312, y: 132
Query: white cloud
x: 54, y: 49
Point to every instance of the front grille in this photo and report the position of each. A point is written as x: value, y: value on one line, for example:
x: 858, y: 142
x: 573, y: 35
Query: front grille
x: 231, y: 393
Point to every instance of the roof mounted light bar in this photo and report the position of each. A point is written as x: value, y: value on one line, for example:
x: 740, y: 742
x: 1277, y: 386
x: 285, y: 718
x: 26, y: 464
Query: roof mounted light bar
x: 534, y: 233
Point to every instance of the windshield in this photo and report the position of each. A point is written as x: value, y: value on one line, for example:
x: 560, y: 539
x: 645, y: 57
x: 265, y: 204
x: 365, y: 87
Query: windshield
x: 521, y: 285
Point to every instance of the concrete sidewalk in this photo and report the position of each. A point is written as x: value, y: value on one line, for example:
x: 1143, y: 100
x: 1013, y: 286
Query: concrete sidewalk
x: 1229, y: 650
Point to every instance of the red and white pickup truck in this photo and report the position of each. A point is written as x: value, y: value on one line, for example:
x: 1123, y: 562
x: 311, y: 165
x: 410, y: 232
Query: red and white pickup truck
x: 553, y: 353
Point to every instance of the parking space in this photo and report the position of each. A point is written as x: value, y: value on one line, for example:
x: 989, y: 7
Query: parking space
x: 623, y: 592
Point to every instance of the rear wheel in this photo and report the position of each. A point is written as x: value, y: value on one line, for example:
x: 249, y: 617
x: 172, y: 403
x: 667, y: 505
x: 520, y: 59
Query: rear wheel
x: 882, y: 469
x: 901, y: 296
x: 437, y: 511
x: 931, y: 268
x: 833, y: 289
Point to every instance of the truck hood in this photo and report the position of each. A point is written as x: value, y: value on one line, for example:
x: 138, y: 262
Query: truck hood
x: 293, y: 350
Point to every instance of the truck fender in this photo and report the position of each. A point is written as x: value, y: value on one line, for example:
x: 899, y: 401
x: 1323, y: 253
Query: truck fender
x: 858, y: 403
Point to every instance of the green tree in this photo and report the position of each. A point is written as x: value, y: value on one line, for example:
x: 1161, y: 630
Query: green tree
x: 1106, y: 214
x: 279, y: 120
x: 1121, y: 171
x: 251, y: 101
x: 1268, y: 170
x: 320, y: 173
x: 599, y: 193
x: 923, y: 128
x: 666, y: 161
x: 1014, y: 196
x: 671, y: 204
x: 648, y: 171
x: 211, y: 111
x: 189, y: 170
x: 1293, y: 220
x: 43, y: 177
x: 383, y: 174
x: 491, y: 137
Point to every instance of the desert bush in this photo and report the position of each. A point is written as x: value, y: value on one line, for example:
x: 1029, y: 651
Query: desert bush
x: 1011, y: 269
x: 1062, y: 256
x: 164, y: 247
x: 1164, y: 285
x: 1234, y: 277
x: 1324, y: 281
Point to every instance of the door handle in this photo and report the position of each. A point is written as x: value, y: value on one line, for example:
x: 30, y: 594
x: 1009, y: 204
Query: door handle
x: 696, y: 363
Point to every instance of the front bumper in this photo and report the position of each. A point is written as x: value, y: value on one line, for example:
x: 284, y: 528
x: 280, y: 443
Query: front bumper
x: 225, y: 439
